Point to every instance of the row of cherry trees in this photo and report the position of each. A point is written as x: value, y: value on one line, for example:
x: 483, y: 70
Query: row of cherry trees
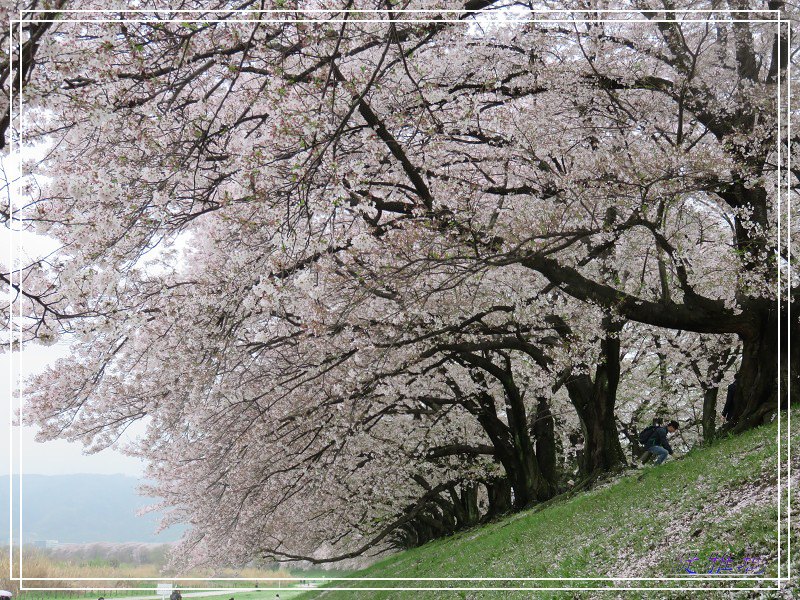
x: 378, y: 277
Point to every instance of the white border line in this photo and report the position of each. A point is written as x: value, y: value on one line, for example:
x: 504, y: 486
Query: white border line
x: 350, y: 21
x: 431, y: 589
x: 699, y: 576
x: 778, y: 265
x: 462, y: 20
x: 460, y: 11
x: 19, y: 365
x: 788, y: 300
x: 11, y: 247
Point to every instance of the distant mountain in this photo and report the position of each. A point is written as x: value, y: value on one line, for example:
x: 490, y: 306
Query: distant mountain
x: 81, y: 509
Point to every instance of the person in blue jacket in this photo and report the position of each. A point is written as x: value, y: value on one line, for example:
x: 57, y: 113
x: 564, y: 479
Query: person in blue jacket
x: 656, y: 440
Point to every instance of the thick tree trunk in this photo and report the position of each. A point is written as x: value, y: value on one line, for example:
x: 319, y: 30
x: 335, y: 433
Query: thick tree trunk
x: 417, y: 532
x: 469, y: 499
x: 405, y: 537
x: 594, y: 402
x: 498, y: 492
x: 529, y: 483
x: 602, y: 450
x: 756, y: 397
x: 439, y: 523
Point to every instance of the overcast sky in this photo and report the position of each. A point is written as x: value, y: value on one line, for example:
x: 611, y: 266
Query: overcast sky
x: 50, y: 458
x: 57, y: 457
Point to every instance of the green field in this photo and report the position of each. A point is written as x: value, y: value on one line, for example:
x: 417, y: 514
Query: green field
x: 714, y: 502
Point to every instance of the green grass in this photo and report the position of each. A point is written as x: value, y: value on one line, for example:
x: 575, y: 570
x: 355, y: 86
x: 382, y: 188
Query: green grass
x: 716, y: 500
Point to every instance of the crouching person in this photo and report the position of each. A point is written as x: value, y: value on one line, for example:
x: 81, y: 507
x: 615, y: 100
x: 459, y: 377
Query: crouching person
x: 655, y: 440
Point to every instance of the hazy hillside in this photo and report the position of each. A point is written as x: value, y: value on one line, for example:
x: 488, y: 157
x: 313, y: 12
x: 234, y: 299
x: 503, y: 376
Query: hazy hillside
x: 82, y: 508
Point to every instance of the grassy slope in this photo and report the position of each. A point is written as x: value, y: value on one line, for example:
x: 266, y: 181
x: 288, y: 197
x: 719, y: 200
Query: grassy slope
x: 713, y: 500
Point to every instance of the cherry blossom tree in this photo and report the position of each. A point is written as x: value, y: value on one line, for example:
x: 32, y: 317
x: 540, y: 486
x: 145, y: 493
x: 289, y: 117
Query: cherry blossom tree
x: 344, y: 269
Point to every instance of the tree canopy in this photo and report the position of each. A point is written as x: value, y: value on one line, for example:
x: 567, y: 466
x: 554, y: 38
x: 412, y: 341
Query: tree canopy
x: 372, y: 275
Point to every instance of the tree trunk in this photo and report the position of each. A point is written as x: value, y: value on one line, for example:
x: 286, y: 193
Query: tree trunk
x: 718, y: 363
x: 498, y: 492
x: 465, y: 504
x: 594, y: 402
x: 520, y: 466
x: 543, y: 431
x: 512, y: 439
x: 709, y: 413
x: 756, y: 396
x: 602, y: 450
x: 528, y: 482
x: 405, y: 537
x: 469, y: 500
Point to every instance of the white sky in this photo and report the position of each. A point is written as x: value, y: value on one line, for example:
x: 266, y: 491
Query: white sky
x: 48, y: 458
